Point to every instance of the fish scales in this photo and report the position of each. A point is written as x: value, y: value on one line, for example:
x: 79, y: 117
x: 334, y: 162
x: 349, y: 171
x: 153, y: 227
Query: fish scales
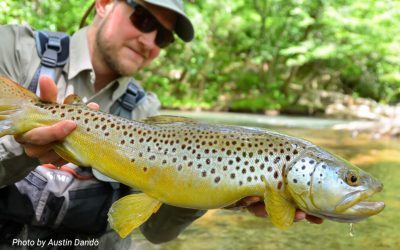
x: 181, y: 162
x: 197, y: 158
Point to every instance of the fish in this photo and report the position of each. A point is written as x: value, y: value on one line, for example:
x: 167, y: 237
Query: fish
x: 186, y: 163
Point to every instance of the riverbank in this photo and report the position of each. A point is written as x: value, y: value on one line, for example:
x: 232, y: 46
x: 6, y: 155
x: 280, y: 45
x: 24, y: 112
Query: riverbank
x: 382, y: 127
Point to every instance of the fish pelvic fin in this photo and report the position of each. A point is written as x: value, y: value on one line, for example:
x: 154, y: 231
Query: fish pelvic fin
x: 131, y: 211
x: 280, y: 210
x: 10, y: 90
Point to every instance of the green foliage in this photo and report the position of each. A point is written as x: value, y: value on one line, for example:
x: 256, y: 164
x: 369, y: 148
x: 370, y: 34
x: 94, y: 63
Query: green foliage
x: 260, y: 54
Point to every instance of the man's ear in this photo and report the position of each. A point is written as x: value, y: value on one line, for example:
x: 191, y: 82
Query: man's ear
x: 102, y: 6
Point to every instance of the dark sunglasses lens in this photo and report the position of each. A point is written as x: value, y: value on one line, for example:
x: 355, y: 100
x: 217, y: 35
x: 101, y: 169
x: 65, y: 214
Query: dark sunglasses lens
x: 164, y: 38
x: 143, y: 20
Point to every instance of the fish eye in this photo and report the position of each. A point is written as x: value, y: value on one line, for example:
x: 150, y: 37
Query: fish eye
x: 352, y: 179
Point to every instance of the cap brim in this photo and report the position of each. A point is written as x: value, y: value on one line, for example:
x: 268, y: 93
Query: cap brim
x: 183, y: 27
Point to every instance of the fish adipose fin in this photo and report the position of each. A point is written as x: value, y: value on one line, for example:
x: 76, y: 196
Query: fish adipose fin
x: 73, y: 100
x: 131, y: 211
x: 280, y: 210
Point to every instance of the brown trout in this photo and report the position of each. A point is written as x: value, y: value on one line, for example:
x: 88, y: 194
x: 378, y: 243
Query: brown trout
x: 185, y: 163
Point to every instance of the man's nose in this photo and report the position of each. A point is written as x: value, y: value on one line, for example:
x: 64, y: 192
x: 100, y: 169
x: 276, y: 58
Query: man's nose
x: 148, y: 40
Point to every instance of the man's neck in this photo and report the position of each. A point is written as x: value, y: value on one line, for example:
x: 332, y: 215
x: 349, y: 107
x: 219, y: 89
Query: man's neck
x: 102, y: 81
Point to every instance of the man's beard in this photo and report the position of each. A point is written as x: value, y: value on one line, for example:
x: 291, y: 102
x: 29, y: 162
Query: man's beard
x: 105, y: 49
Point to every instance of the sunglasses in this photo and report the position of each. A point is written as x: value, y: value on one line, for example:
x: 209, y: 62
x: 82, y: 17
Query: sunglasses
x: 145, y: 22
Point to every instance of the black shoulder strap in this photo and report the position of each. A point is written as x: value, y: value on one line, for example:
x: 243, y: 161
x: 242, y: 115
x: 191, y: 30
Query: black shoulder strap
x: 128, y: 101
x: 53, y: 50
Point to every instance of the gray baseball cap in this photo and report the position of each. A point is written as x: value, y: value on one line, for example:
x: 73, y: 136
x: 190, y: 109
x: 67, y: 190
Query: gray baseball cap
x: 183, y: 28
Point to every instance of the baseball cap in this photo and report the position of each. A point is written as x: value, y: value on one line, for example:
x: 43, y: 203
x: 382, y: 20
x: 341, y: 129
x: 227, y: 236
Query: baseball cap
x: 183, y: 28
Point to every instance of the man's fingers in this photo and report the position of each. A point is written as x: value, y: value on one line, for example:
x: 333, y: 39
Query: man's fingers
x: 48, y: 89
x: 93, y: 106
x: 258, y: 209
x: 299, y: 215
x: 314, y: 219
x: 49, y: 134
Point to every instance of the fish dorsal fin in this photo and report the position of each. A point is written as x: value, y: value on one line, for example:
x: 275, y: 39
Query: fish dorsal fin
x: 167, y: 119
x: 131, y: 211
x: 11, y: 89
x: 280, y: 210
x: 73, y: 100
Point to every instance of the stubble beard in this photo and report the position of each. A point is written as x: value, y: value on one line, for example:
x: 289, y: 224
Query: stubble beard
x: 105, y: 49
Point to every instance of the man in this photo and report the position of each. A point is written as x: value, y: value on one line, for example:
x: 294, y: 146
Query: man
x: 124, y: 37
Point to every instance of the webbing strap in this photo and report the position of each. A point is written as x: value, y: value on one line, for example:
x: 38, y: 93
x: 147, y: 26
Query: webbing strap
x: 53, y: 50
x: 128, y: 101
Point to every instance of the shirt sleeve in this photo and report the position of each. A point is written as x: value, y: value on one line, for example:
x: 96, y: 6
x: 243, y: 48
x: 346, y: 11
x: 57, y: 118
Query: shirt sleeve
x: 18, y: 55
x: 17, y: 48
x: 168, y: 223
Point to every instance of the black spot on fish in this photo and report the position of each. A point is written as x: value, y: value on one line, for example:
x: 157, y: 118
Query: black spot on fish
x: 217, y: 179
x: 295, y: 180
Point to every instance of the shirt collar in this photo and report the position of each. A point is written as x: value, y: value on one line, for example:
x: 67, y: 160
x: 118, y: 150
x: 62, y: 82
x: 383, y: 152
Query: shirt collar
x: 79, y: 57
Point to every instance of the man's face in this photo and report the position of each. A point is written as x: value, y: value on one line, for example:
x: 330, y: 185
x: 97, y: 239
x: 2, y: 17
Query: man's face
x: 123, y: 47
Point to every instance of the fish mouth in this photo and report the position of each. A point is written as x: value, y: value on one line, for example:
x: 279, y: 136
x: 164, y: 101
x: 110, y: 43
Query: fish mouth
x: 355, y: 207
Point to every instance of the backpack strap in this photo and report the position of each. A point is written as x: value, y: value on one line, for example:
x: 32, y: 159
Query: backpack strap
x: 124, y: 105
x: 53, y: 50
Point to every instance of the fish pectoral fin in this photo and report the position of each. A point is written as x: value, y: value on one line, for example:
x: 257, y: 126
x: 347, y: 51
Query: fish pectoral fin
x: 280, y: 210
x: 167, y: 119
x: 131, y: 211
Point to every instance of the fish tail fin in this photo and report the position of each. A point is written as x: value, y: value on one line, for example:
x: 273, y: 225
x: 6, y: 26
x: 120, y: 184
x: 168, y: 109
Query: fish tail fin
x: 15, y: 101
x: 10, y: 90
x: 11, y: 111
x: 131, y: 211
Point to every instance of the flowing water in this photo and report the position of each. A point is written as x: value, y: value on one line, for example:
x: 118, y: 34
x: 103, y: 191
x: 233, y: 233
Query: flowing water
x: 223, y: 229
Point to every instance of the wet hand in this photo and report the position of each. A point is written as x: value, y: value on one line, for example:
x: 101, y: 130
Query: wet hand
x: 256, y: 206
x: 38, y: 142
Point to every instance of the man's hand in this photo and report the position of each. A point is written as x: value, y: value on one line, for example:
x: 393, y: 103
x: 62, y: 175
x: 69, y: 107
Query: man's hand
x: 38, y: 141
x: 256, y: 206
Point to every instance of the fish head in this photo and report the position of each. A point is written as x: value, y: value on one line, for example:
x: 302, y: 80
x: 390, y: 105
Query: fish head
x: 328, y: 186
